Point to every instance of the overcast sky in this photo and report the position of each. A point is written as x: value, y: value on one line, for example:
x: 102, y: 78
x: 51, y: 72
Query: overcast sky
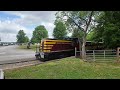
x: 13, y: 21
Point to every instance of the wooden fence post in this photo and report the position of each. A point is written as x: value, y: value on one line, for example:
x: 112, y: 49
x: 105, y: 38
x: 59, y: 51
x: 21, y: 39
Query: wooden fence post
x: 75, y: 52
x: 104, y: 54
x: 118, y: 53
x: 94, y: 55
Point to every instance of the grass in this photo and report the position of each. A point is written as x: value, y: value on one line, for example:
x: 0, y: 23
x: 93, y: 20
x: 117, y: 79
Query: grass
x: 67, y: 68
x: 32, y: 47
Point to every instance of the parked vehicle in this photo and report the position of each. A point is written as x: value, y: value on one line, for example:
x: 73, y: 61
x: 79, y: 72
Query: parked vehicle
x: 5, y: 44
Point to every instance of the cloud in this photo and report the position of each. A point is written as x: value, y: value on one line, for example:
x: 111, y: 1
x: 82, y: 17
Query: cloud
x: 9, y: 27
x: 9, y: 30
x: 8, y: 37
x: 49, y: 27
x: 33, y: 17
x: 27, y: 21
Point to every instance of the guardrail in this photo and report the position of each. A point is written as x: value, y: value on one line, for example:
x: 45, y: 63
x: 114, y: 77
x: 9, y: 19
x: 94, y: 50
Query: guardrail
x: 1, y: 74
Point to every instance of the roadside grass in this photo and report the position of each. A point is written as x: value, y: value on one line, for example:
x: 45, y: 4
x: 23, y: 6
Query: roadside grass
x: 32, y: 47
x: 67, y: 68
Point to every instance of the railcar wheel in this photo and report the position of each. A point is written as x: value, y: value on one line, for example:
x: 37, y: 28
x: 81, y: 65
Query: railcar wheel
x: 39, y: 58
x: 61, y: 56
x: 43, y: 60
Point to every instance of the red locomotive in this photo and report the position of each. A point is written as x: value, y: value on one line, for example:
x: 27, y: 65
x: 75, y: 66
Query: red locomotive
x: 54, y: 48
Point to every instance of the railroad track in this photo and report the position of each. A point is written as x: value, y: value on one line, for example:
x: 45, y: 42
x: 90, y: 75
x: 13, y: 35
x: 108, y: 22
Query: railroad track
x: 23, y: 63
x: 20, y: 63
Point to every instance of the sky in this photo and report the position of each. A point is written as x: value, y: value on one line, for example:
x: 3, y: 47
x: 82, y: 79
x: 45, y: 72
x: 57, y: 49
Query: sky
x: 13, y: 21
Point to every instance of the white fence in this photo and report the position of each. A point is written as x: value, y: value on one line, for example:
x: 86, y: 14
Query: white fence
x: 99, y: 55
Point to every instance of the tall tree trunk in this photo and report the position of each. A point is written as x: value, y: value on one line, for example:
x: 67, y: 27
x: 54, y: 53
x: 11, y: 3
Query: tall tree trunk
x: 84, y: 36
x: 83, y: 47
x: 80, y: 47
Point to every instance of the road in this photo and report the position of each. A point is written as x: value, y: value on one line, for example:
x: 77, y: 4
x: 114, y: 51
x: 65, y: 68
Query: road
x: 11, y: 54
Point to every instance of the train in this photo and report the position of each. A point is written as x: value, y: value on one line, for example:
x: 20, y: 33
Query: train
x: 54, y: 48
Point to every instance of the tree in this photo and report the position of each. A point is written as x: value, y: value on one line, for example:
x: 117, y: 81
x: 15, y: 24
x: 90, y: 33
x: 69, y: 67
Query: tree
x: 83, y: 20
x: 108, y: 29
x: 21, y: 37
x: 26, y: 39
x: 39, y: 33
x: 77, y: 33
x: 59, y: 31
x: 90, y: 36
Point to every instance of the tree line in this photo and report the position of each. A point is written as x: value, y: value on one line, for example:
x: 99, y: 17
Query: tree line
x: 39, y: 33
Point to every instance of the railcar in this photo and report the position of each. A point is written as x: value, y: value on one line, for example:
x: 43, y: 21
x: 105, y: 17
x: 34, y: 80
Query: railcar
x: 94, y: 45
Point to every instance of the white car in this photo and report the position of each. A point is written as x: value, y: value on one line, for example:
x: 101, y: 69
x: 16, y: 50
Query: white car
x: 5, y: 44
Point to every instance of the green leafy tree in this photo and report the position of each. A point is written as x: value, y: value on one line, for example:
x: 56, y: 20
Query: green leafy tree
x: 26, y: 39
x: 82, y: 20
x: 39, y: 33
x: 77, y: 33
x: 59, y: 31
x: 90, y: 36
x: 21, y: 37
x: 108, y: 29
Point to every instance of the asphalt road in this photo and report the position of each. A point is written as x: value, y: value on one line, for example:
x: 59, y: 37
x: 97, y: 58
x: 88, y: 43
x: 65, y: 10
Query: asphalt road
x: 11, y: 54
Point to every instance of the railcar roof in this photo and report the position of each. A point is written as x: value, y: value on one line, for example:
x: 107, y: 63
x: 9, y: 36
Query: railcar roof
x: 60, y: 39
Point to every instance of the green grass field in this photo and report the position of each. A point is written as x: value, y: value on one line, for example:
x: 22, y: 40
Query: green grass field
x: 67, y: 68
x: 32, y: 47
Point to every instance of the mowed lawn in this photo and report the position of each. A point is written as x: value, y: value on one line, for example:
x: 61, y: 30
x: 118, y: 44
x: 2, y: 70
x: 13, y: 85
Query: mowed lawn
x: 67, y: 68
